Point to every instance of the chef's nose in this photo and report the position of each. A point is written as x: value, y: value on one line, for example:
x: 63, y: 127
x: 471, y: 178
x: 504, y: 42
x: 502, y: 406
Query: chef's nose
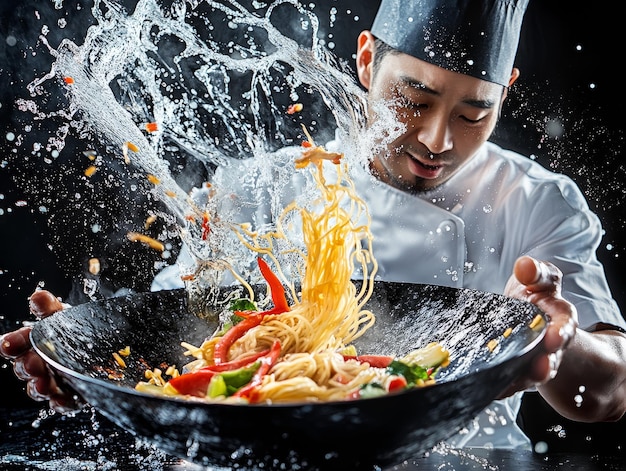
x: 434, y: 132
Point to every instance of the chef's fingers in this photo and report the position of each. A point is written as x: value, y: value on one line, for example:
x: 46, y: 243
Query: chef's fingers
x: 46, y: 388
x: 538, y: 276
x: 43, y: 303
x: 540, y: 283
x: 15, y: 343
x: 29, y: 366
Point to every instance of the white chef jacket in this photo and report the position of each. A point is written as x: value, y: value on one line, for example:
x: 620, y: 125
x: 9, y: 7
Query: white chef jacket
x: 468, y: 233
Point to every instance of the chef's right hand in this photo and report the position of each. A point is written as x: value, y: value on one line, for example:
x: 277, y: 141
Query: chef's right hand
x: 29, y: 366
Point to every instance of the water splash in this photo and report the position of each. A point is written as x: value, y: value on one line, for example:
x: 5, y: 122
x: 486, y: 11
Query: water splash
x: 212, y: 80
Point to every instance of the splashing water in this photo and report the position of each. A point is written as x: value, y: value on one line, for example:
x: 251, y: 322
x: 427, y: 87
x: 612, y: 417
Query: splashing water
x: 201, y: 82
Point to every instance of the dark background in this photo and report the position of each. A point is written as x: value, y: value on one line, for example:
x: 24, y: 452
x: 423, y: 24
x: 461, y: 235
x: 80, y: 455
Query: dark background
x: 568, y: 57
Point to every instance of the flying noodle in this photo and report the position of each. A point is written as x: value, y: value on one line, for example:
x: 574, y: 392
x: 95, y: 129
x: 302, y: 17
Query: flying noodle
x: 303, y: 351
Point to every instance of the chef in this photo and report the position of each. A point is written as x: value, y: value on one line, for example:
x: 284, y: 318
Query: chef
x: 449, y: 207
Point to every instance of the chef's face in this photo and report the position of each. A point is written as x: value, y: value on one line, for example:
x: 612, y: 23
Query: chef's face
x: 447, y: 116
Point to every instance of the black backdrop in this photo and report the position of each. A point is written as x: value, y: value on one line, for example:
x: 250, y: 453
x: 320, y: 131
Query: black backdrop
x: 569, y: 81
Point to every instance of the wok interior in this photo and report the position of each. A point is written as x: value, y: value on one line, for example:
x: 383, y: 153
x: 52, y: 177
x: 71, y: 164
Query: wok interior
x: 81, y: 340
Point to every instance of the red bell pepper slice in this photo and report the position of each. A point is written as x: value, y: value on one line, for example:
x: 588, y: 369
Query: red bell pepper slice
x: 220, y: 354
x: 193, y: 384
x: 397, y: 383
x: 375, y: 361
x: 266, y: 365
x: 276, y: 288
x: 252, y: 319
x: 235, y: 364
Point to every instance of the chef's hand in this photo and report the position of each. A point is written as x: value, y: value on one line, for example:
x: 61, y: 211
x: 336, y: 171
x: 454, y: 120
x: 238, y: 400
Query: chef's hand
x: 29, y: 366
x: 540, y: 283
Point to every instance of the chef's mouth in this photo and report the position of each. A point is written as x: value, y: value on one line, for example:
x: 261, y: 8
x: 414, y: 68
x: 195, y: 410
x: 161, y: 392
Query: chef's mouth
x: 423, y: 170
x: 430, y: 167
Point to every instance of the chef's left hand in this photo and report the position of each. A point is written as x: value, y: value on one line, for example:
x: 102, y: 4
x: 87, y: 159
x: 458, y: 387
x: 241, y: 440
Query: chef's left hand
x: 540, y: 283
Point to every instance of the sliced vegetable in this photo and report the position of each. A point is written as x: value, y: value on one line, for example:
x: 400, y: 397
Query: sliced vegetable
x: 217, y: 387
x: 432, y: 355
x: 276, y: 288
x: 412, y: 373
x: 206, y: 229
x: 193, y: 384
x: 266, y: 365
x: 397, y: 383
x: 152, y: 127
x: 235, y: 364
x: 368, y: 391
x: 295, y: 108
x: 232, y: 335
x: 228, y: 382
x: 242, y: 304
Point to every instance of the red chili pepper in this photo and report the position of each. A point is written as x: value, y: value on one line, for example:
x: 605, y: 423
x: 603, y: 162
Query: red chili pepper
x: 266, y: 365
x: 375, y: 361
x: 397, y: 383
x: 276, y: 288
x: 294, y: 108
x: 246, y: 314
x: 235, y: 364
x: 220, y: 354
x: 152, y: 127
x: 205, y: 226
x: 193, y: 384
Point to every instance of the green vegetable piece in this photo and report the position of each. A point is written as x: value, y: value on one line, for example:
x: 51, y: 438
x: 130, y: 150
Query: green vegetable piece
x: 371, y: 390
x: 411, y: 373
x: 432, y: 355
x: 217, y: 387
x: 228, y: 382
x: 242, y: 304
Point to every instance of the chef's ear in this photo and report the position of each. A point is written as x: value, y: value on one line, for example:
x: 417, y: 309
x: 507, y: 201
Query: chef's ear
x: 514, y: 76
x: 364, y: 58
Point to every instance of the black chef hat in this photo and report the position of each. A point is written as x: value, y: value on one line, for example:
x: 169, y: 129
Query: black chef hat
x: 474, y: 37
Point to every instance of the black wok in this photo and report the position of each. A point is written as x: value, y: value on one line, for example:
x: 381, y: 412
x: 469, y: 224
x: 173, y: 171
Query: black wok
x: 78, y: 343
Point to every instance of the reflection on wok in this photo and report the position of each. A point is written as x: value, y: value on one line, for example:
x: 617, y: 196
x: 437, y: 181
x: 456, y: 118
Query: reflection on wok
x: 79, y: 342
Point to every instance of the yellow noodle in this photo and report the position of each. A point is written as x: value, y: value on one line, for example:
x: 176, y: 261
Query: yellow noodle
x: 328, y: 312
